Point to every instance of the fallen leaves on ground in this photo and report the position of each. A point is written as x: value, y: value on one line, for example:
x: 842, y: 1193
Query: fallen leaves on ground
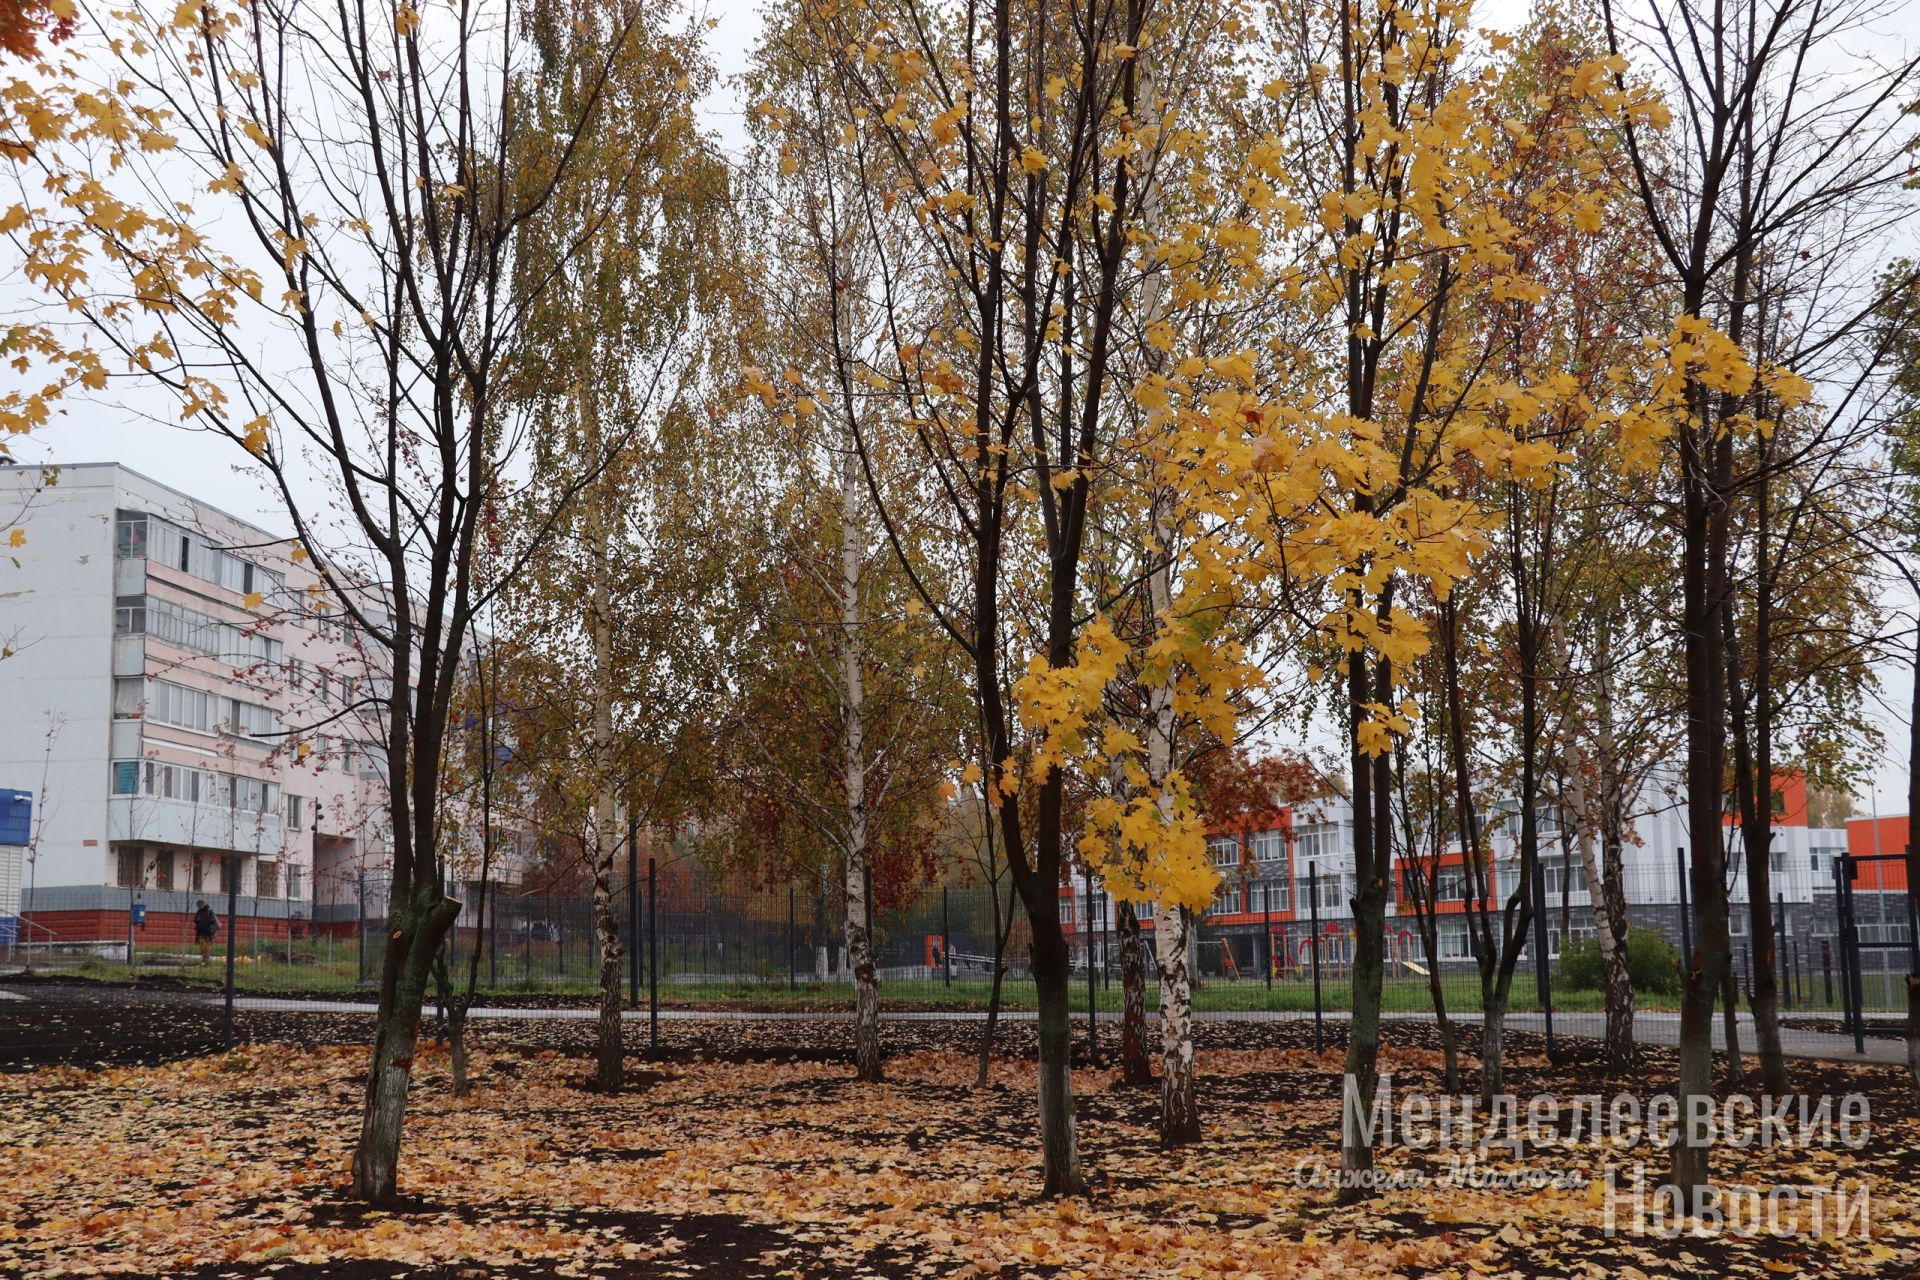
x: 237, y: 1165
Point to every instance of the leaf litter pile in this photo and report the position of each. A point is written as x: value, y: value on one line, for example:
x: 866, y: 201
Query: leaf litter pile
x: 750, y: 1150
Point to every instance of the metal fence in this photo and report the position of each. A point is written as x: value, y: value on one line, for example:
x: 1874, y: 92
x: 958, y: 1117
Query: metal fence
x: 1273, y: 946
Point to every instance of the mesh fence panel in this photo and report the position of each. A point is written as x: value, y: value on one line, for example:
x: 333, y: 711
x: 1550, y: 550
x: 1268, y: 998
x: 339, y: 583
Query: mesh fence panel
x: 1268, y: 949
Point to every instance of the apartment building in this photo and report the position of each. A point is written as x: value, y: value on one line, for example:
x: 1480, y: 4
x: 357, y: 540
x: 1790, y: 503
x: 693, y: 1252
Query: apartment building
x: 174, y: 709
x: 1289, y: 877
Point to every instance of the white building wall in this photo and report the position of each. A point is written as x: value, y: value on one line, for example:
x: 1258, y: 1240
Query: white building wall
x: 60, y: 738
x: 56, y: 687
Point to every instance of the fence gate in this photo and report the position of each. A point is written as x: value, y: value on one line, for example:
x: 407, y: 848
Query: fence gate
x: 1847, y: 909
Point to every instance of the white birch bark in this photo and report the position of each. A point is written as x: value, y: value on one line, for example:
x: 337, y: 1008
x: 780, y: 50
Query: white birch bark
x: 1172, y: 924
x: 866, y: 1035
x: 602, y: 834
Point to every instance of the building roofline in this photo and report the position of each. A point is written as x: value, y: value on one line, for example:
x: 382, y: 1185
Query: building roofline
x: 180, y: 493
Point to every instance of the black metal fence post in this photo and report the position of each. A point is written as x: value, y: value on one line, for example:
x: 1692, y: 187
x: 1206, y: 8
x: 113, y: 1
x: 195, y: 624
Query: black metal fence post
x: 1780, y: 941
x: 233, y: 913
x: 1826, y: 966
x: 1913, y: 923
x: 653, y: 961
x: 793, y: 911
x: 363, y: 928
x: 1849, y: 980
x: 633, y: 909
x: 1106, y: 941
x: 1086, y: 933
x: 1542, y: 969
x: 1266, y: 913
x: 946, y: 937
x: 1313, y: 898
x: 1856, y: 977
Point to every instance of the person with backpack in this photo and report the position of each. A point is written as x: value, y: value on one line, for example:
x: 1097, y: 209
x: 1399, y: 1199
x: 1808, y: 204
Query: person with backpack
x: 205, y: 926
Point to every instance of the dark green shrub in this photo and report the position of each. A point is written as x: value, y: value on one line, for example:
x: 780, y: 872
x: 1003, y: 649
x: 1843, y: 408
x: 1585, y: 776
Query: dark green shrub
x: 1653, y: 966
x: 1580, y: 967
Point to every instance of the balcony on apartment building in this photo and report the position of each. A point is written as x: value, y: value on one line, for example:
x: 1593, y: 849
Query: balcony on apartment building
x: 188, y: 807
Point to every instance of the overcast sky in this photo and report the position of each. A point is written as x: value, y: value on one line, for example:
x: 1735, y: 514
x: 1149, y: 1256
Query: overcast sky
x: 205, y: 466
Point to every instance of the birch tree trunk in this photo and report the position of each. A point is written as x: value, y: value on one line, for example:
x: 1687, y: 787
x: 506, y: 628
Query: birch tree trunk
x: 866, y: 1022
x: 610, y: 1049
x: 1179, y: 1102
x: 1621, y: 1051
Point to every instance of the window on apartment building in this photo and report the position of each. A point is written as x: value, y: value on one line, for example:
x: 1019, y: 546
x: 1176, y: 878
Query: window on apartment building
x: 193, y: 554
x: 164, y: 868
x: 266, y: 880
x: 1276, y: 895
x: 194, y: 631
x: 1224, y: 850
x: 129, y: 536
x: 293, y: 882
x: 1269, y: 846
x: 256, y: 795
x: 178, y: 782
x: 296, y: 813
x: 129, y: 872
x: 1577, y: 878
x: 129, y: 697
x: 126, y: 777
x: 1326, y: 891
x: 1319, y: 841
x: 249, y: 719
x: 129, y: 615
x: 174, y: 704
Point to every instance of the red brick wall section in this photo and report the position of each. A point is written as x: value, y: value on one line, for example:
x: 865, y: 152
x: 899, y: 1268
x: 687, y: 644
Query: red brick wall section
x: 162, y: 929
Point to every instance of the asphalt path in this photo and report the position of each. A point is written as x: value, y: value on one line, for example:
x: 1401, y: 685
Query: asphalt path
x: 1650, y: 1027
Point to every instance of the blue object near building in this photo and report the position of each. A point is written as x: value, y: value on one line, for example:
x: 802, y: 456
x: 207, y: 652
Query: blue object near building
x: 16, y: 816
x: 139, y: 913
